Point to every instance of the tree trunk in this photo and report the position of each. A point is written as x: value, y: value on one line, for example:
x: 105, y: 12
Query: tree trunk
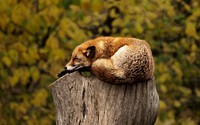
x: 88, y: 101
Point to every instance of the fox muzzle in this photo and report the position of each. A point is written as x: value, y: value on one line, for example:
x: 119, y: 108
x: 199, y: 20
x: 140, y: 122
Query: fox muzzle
x: 69, y: 69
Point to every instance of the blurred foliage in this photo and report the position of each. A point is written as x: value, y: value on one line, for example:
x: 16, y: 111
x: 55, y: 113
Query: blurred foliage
x: 37, y: 37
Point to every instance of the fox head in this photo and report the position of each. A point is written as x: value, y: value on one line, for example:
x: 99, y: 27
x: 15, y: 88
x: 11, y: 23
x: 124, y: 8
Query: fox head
x: 81, y: 58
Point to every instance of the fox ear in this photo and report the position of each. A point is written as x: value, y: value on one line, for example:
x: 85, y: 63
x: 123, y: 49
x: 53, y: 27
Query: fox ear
x: 90, y: 52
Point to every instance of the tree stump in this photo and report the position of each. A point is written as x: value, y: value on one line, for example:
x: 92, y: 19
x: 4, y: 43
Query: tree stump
x: 88, y: 101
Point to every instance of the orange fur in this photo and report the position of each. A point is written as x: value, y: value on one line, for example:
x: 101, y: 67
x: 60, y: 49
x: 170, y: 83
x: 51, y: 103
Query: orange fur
x: 115, y: 59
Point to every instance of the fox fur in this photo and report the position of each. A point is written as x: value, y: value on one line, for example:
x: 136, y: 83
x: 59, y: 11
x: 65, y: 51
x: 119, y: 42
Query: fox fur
x: 114, y: 59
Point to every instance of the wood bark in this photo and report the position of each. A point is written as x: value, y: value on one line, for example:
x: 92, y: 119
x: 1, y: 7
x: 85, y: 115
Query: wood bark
x: 88, y: 101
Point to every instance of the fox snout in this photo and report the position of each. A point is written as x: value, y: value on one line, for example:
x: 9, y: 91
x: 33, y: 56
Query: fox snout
x: 72, y: 68
x: 68, y: 69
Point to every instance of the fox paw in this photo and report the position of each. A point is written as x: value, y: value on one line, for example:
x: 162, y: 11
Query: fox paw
x: 120, y: 74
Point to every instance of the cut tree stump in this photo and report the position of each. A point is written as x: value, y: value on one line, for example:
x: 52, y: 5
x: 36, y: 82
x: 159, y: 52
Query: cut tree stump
x: 88, y: 101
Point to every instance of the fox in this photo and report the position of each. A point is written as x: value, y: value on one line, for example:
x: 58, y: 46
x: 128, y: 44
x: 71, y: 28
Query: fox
x: 117, y: 60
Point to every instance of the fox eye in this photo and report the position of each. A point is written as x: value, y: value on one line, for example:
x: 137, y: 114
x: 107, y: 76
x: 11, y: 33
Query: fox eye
x: 77, y: 59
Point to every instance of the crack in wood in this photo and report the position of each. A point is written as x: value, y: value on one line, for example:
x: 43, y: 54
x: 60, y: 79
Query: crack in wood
x: 83, y: 93
x: 84, y: 104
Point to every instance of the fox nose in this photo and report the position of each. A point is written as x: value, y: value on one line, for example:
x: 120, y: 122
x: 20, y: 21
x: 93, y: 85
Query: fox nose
x: 69, y: 67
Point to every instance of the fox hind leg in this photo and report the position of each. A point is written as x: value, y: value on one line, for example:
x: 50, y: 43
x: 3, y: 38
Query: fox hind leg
x: 107, y: 71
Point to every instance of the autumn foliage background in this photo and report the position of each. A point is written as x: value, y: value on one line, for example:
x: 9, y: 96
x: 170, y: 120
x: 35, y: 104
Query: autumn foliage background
x: 38, y: 36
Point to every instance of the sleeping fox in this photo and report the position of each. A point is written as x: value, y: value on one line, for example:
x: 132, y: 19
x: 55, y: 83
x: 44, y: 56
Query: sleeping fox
x: 113, y: 59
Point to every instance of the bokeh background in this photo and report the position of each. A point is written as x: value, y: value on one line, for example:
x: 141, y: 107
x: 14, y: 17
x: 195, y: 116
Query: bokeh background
x: 38, y: 36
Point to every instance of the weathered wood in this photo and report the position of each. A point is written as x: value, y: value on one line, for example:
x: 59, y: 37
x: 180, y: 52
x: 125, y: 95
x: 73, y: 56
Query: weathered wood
x: 89, y: 101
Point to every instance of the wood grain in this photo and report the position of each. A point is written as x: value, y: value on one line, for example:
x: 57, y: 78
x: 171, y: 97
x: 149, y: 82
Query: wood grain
x: 88, y: 101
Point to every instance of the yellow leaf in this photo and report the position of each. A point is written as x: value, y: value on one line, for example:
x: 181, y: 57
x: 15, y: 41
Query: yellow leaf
x: 164, y: 77
x: 45, y: 121
x: 139, y: 28
x: 97, y: 5
x: 192, y: 57
x: 6, y: 60
x: 25, y: 58
x: 197, y: 92
x: 124, y: 31
x: 33, y: 53
x: 25, y: 76
x: 162, y: 67
x: 60, y: 55
x: 43, y: 65
x: 177, y: 104
x: 187, y: 7
x: 34, y: 24
x: 13, y: 55
x: 177, y: 68
x: 71, y: 29
x: 35, y: 74
x: 52, y: 43
x: 86, y: 4
x: 195, y: 14
x: 194, y: 47
x: 162, y: 105
x: 170, y: 114
x: 13, y: 80
x: 184, y: 90
x: 170, y: 9
x: 176, y: 29
x: 87, y: 19
x: 149, y: 23
x: 13, y: 105
x: 51, y: 14
x: 63, y: 28
x: 4, y: 20
x: 39, y: 98
x: 75, y: 8
x: 48, y: 2
x: 12, y: 2
x: 191, y: 30
x: 113, y: 14
x: 117, y: 22
x: 18, y: 46
x: 107, y: 29
x: 163, y: 88
x: 20, y: 13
